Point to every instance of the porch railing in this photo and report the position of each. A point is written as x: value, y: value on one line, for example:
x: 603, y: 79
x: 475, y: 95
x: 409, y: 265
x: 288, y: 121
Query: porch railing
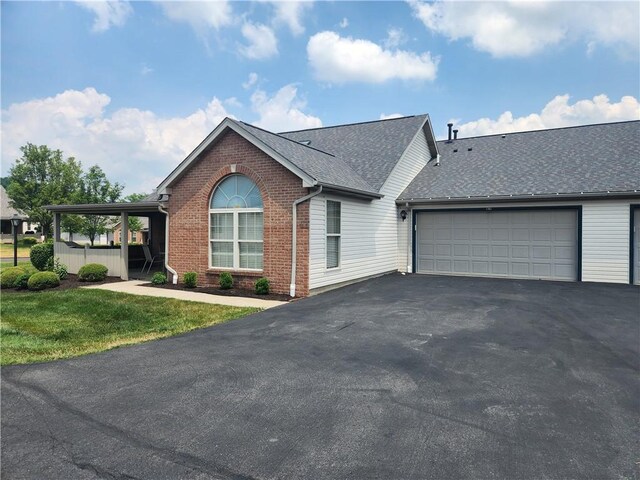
x: 74, y: 257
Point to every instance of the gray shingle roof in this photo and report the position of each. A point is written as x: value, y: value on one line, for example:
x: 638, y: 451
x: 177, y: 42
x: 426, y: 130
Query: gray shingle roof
x: 589, y: 159
x: 371, y: 149
x: 322, y: 166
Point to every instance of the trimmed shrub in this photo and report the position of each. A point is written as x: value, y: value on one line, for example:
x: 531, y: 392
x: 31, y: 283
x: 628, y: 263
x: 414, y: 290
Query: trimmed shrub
x: 60, y: 269
x: 262, y: 286
x: 9, y: 276
x: 226, y: 281
x: 22, y: 282
x: 159, y: 278
x: 27, y: 242
x: 42, y: 280
x: 92, y: 272
x: 190, y: 279
x: 41, y: 255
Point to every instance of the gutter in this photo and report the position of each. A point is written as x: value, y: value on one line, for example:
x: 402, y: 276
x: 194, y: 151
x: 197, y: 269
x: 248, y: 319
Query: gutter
x: 352, y: 191
x: 502, y: 198
x: 166, y: 245
x: 294, y: 239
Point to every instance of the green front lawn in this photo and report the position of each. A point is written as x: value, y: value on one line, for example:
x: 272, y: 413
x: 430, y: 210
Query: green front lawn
x: 42, y: 326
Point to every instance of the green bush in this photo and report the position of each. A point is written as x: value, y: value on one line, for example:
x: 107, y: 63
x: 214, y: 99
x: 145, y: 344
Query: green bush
x: 226, y: 281
x: 27, y: 242
x: 41, y: 255
x: 190, y: 279
x: 9, y: 276
x: 92, y: 272
x: 159, y: 278
x: 60, y: 269
x: 262, y: 286
x: 22, y: 282
x: 42, y: 280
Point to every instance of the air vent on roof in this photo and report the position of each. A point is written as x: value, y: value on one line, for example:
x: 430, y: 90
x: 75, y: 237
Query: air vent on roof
x: 469, y: 149
x: 504, y: 136
x: 455, y: 150
x: 305, y: 142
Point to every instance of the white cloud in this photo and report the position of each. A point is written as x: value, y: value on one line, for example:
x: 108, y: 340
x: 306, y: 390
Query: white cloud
x: 283, y: 111
x: 133, y: 146
x: 290, y: 13
x: 262, y: 42
x: 107, y: 13
x: 390, y: 116
x: 200, y: 15
x: 557, y: 113
x: 336, y: 59
x: 251, y: 81
x: 520, y: 29
x: 145, y: 69
x: 395, y: 38
x: 344, y: 23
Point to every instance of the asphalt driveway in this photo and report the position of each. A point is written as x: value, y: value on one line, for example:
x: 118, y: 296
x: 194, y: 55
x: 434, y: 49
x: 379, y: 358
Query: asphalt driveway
x: 401, y: 377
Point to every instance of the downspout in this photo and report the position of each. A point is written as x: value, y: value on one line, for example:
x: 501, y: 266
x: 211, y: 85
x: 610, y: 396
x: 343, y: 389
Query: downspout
x: 166, y: 246
x: 294, y: 239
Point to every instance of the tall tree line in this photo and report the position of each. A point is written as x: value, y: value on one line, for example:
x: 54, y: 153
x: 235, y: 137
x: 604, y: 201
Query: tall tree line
x: 42, y: 176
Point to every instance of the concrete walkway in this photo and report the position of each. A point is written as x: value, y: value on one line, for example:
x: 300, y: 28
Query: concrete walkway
x: 135, y: 287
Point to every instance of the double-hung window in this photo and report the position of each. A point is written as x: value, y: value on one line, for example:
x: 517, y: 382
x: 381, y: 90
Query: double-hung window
x: 333, y: 234
x: 236, y: 225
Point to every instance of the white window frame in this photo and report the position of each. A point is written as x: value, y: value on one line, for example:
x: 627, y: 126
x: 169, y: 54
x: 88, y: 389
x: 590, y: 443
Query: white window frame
x: 327, y: 235
x: 236, y: 238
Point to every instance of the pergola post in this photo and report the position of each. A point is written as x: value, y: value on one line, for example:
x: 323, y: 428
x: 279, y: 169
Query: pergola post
x: 124, y: 246
x: 56, y: 227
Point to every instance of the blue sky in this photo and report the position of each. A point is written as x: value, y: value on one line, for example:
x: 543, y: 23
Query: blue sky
x: 135, y: 86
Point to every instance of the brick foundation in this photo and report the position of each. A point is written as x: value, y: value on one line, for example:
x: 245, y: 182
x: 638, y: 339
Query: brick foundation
x: 189, y: 215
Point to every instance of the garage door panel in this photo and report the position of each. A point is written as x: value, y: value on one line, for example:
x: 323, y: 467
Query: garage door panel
x: 520, y: 269
x: 503, y: 243
x: 520, y: 251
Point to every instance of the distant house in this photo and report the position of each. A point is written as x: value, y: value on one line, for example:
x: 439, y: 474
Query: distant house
x: 6, y: 214
x: 139, y: 236
x: 318, y: 208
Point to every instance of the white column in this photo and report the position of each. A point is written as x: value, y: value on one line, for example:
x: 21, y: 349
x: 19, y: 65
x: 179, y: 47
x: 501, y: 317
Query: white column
x: 124, y: 246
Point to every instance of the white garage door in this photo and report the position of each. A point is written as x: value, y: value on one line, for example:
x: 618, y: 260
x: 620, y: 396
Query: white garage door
x: 538, y: 244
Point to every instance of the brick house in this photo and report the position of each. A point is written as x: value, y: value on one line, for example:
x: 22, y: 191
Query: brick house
x: 319, y: 208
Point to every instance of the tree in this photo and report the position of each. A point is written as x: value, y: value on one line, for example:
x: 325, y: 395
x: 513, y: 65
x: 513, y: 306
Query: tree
x: 96, y: 188
x: 135, y: 224
x: 71, y: 223
x: 42, y: 177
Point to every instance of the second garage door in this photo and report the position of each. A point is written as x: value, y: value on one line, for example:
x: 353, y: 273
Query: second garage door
x: 539, y: 244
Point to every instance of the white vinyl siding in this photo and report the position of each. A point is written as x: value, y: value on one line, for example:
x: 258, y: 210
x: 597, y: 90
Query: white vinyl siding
x: 605, y: 236
x: 369, y: 234
x: 605, y: 241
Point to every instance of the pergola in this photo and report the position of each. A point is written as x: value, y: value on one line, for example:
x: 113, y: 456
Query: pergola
x: 115, y: 258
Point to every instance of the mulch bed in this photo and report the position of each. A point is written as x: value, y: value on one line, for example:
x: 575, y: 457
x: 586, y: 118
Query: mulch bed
x: 233, y: 292
x: 70, y: 282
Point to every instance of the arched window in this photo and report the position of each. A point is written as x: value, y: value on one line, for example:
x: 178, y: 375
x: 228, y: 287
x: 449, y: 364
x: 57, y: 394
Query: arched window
x: 235, y: 224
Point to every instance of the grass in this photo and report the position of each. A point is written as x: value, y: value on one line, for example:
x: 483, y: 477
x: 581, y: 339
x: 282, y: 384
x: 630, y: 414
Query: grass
x: 43, y: 326
x: 6, y: 250
x: 21, y: 262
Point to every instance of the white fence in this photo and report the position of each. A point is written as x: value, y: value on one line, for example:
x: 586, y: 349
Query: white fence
x: 74, y: 257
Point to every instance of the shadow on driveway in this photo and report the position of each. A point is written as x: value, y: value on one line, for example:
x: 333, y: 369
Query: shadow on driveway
x: 400, y: 377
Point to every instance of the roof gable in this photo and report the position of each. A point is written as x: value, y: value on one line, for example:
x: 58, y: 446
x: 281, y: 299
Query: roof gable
x: 356, y: 158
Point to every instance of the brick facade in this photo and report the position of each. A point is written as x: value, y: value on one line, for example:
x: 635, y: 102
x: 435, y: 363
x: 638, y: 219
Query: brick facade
x: 189, y: 215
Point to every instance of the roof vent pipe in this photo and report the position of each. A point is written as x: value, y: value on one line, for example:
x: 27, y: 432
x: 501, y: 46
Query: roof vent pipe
x: 450, y: 125
x: 455, y: 134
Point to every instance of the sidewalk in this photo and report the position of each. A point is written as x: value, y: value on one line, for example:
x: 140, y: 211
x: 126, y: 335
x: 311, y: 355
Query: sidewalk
x: 135, y: 287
